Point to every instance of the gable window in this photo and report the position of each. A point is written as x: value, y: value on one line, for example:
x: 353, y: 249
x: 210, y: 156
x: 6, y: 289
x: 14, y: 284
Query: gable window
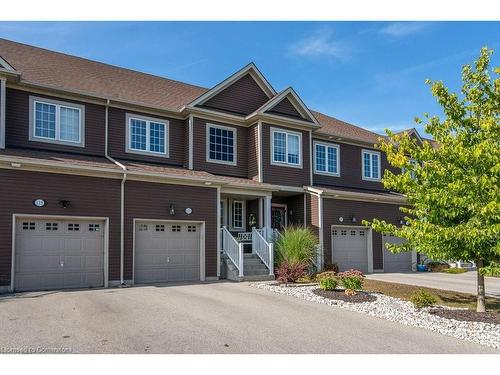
x: 326, y: 159
x: 238, y: 214
x: 371, y: 165
x: 147, y: 135
x: 56, y: 122
x: 286, y: 148
x: 221, y: 144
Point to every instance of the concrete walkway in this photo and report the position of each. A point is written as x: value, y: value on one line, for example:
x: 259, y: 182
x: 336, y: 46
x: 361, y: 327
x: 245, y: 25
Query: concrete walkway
x: 218, y: 317
x: 464, y: 282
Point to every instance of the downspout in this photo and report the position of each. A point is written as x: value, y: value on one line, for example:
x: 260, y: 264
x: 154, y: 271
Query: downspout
x: 122, y: 195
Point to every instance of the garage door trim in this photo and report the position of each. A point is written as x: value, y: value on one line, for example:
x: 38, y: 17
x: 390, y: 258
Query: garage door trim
x: 15, y: 217
x: 171, y: 221
x: 369, y: 242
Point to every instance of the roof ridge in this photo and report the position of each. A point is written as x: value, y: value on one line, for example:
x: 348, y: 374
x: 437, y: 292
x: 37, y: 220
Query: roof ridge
x: 103, y: 63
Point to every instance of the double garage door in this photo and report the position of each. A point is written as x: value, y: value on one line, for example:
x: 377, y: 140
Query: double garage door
x: 167, y: 252
x: 350, y: 250
x: 57, y: 254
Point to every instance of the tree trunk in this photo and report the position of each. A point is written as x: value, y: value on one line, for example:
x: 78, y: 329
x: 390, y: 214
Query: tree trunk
x: 481, y: 304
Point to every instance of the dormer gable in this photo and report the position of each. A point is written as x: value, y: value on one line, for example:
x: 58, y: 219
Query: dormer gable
x: 240, y: 94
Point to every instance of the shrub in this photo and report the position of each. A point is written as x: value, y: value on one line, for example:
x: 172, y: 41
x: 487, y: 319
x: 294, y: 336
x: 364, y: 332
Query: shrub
x: 421, y: 298
x: 438, y: 266
x: 455, y: 270
x: 351, y: 280
x: 326, y: 275
x: 332, y: 267
x: 296, y: 245
x: 328, y: 283
x: 290, y: 273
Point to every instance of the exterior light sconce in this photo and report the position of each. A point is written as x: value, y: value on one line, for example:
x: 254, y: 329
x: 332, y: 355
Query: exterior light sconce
x: 401, y: 221
x: 172, y: 209
x: 353, y: 218
x: 65, y: 203
x: 341, y: 219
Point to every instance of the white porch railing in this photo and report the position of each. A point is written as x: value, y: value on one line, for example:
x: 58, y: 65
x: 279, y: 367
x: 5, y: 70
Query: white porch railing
x: 233, y: 249
x: 263, y: 249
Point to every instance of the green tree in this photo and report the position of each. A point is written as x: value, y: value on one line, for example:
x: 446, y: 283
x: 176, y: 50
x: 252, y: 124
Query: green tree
x: 452, y: 185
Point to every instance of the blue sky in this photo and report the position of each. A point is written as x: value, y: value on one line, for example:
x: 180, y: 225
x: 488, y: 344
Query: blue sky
x: 368, y: 73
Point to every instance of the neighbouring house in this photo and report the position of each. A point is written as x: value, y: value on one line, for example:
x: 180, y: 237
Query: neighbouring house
x: 110, y: 176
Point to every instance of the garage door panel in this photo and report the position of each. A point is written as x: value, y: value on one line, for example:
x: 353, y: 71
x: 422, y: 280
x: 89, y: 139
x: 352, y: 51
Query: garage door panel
x: 349, y: 248
x: 396, y: 262
x: 166, y: 252
x: 70, y: 257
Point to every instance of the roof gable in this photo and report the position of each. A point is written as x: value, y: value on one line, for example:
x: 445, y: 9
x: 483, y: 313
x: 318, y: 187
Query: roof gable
x: 4, y: 65
x: 242, y: 93
x: 288, y: 104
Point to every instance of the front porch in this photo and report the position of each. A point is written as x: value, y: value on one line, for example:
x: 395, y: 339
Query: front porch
x: 249, y: 226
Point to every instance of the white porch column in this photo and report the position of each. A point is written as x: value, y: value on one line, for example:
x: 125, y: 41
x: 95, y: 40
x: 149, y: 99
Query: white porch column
x: 267, y: 216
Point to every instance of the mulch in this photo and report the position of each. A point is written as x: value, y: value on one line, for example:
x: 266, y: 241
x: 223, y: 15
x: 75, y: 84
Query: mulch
x: 468, y: 315
x: 339, y: 295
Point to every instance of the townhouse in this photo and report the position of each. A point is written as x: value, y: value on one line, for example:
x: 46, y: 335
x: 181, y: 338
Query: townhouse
x: 110, y: 176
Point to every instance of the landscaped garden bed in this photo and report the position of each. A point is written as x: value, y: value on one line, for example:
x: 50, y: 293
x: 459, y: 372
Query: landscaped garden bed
x: 339, y: 295
x: 467, y: 315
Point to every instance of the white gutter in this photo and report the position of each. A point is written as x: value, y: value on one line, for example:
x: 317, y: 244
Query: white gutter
x: 122, y: 195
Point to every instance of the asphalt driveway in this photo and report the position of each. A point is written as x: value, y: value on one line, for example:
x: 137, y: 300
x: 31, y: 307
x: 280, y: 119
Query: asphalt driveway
x: 463, y: 282
x: 218, y: 317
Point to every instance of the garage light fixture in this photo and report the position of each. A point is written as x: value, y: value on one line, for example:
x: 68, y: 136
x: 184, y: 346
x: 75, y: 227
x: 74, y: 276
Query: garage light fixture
x: 64, y: 203
x: 353, y: 218
x: 172, y: 209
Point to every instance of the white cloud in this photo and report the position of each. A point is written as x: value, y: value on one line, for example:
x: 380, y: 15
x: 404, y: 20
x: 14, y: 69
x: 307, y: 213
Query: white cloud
x: 402, y: 29
x: 320, y: 44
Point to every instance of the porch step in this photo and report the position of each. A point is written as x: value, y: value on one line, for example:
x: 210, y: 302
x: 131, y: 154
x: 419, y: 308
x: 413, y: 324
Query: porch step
x: 253, y: 269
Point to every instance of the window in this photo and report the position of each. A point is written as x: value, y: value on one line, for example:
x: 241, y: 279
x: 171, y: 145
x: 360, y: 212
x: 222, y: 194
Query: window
x: 286, y: 148
x: 414, y: 163
x: 147, y: 135
x: 29, y: 225
x: 221, y: 144
x: 371, y: 165
x: 176, y: 228
x: 326, y: 159
x: 56, y: 122
x: 353, y: 232
x: 343, y: 233
x: 191, y: 228
x: 238, y: 214
x: 361, y: 232
x: 73, y: 227
x: 160, y: 228
x: 94, y: 227
x: 51, y: 227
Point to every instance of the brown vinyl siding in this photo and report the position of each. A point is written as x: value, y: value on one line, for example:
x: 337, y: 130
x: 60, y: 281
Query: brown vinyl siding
x: 89, y: 196
x: 242, y: 97
x: 285, y: 108
x: 17, y: 125
x: 200, y: 150
x: 312, y: 212
x: 147, y: 200
x: 284, y: 175
x: 351, y: 169
x: 335, y: 208
x: 253, y: 152
x: 178, y: 139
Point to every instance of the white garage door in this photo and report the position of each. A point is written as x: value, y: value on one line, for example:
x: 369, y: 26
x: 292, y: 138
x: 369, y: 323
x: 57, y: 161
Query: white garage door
x: 400, y: 262
x: 57, y: 254
x: 349, y: 247
x: 166, y: 252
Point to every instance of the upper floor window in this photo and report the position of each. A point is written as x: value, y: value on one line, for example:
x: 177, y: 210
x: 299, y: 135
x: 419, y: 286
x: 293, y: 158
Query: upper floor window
x: 286, y: 148
x: 56, y: 122
x: 371, y: 165
x: 326, y: 159
x: 221, y: 144
x: 147, y: 135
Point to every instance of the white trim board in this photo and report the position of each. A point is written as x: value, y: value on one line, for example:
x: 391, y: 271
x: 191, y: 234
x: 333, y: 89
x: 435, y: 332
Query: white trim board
x: 16, y: 216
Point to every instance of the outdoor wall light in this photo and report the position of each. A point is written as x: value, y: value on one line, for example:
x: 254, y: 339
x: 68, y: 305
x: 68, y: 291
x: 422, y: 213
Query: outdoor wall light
x: 64, y: 203
x: 172, y: 209
x: 401, y: 221
x: 353, y: 218
x: 341, y: 219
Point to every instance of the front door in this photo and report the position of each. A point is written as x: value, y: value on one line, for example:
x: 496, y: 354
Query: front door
x: 278, y: 217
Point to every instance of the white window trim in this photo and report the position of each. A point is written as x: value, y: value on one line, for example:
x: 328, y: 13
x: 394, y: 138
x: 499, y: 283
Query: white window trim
x: 243, y: 213
x: 370, y: 152
x: 128, y: 121
x: 235, y: 144
x: 326, y: 145
x: 57, y: 139
x: 286, y: 163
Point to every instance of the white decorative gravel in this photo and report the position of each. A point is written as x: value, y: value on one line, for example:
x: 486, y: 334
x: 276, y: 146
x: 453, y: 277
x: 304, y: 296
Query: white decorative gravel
x: 400, y: 311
